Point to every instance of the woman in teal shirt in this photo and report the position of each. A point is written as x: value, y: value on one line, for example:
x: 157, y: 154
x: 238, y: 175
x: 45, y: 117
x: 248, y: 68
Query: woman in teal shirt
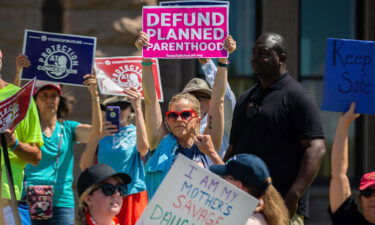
x: 59, y: 136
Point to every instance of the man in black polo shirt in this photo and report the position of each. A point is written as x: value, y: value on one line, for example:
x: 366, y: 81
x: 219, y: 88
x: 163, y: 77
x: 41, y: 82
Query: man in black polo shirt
x: 278, y: 121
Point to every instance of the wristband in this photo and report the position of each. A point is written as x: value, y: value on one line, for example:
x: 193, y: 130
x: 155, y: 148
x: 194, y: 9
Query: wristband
x: 146, y: 63
x: 220, y: 64
x: 16, y: 144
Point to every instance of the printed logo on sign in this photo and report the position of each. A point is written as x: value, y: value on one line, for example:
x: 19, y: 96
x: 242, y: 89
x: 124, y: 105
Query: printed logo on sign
x: 9, y: 114
x: 128, y: 76
x: 58, y: 61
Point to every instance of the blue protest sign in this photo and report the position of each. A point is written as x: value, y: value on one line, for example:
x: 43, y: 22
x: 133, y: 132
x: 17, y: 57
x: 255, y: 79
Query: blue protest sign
x: 349, y: 76
x: 192, y: 3
x: 60, y: 58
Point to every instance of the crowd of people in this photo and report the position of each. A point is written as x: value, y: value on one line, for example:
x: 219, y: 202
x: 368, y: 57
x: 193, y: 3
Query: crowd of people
x: 269, y: 143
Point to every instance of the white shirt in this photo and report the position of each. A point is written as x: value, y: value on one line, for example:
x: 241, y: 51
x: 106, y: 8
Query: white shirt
x: 256, y: 219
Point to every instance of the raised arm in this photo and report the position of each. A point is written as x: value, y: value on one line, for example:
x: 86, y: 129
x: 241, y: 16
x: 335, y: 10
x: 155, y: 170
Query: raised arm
x: 21, y: 62
x: 83, y: 130
x: 215, y: 124
x: 153, y: 116
x: 210, y: 71
x: 142, y: 142
x: 339, y: 188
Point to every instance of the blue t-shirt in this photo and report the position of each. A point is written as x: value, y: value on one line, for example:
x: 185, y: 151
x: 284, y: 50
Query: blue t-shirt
x: 44, y: 173
x: 194, y: 154
x: 120, y: 152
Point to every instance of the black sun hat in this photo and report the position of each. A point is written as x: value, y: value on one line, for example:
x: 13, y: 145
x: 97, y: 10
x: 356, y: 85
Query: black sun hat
x: 96, y: 174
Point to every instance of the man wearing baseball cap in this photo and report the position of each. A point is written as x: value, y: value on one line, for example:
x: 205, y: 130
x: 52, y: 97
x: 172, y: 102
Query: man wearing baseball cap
x: 346, y: 208
x: 23, y: 145
x: 249, y: 173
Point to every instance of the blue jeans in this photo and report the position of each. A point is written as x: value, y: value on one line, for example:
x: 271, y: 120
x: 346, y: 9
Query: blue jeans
x: 61, y: 216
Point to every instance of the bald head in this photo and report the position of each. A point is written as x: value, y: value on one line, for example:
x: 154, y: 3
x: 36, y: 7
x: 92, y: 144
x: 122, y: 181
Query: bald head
x: 274, y: 41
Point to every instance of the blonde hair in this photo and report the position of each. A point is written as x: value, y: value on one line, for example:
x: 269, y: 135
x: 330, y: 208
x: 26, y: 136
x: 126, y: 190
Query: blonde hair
x: 83, y: 208
x: 275, y: 211
x: 191, y: 98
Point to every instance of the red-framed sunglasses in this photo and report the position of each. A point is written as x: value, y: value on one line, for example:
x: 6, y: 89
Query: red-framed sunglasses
x: 185, y: 115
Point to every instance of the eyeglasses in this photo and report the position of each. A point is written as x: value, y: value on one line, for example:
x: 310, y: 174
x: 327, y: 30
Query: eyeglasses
x: 367, y: 192
x: 185, y: 115
x: 110, y: 189
x: 254, y: 106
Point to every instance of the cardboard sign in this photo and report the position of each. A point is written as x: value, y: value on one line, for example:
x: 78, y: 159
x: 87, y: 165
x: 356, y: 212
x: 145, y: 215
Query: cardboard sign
x: 192, y: 195
x: 193, y: 2
x: 185, y: 31
x: 14, y: 109
x: 349, y: 76
x: 58, y: 58
x: 116, y: 73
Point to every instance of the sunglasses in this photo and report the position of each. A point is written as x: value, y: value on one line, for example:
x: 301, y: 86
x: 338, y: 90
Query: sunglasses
x: 367, y: 192
x: 110, y: 189
x: 202, y: 97
x: 185, y: 115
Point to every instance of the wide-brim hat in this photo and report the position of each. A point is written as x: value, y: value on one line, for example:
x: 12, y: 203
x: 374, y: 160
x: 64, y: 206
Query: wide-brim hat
x: 39, y: 85
x: 96, y: 174
x: 197, y: 85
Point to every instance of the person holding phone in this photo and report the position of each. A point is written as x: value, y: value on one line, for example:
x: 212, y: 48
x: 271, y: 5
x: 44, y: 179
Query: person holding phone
x: 122, y: 149
x: 183, y: 121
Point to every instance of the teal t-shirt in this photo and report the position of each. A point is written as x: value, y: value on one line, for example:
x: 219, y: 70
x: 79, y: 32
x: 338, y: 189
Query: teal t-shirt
x: 44, y: 172
x: 120, y: 152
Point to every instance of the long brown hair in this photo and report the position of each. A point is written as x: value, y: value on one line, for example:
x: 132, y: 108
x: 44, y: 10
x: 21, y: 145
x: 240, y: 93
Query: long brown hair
x: 275, y: 211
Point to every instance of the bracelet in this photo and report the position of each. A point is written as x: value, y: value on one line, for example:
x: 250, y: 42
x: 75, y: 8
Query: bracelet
x: 220, y: 64
x: 146, y: 63
x: 16, y: 144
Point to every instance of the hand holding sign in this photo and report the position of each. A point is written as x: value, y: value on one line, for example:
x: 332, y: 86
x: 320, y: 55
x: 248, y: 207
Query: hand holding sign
x: 142, y: 40
x: 349, y: 116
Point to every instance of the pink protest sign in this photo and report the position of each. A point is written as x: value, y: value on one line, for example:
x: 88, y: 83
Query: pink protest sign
x: 116, y: 73
x: 14, y: 108
x: 185, y: 31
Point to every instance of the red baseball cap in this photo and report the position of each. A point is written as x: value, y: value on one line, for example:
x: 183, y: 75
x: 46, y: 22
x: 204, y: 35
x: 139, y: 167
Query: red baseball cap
x: 367, y: 181
x: 42, y: 84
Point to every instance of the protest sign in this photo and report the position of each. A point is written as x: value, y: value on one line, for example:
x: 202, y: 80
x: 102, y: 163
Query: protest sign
x: 14, y: 108
x: 192, y: 195
x: 116, y: 73
x: 185, y: 31
x: 60, y: 58
x: 193, y: 2
x: 349, y: 76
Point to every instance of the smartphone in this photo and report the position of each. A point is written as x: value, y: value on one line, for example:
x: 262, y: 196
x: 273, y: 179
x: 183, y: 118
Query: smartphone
x: 113, y: 115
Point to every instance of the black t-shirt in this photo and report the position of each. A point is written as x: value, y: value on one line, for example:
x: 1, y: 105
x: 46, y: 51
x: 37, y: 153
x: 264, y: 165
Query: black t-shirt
x: 271, y: 123
x: 347, y: 214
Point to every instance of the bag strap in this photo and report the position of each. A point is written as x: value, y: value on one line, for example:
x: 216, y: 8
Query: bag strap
x: 61, y: 135
x: 8, y: 171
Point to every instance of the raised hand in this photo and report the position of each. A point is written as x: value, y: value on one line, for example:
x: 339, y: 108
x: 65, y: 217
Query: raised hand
x: 142, y: 40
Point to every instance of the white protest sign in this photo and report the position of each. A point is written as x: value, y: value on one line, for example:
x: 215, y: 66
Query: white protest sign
x: 191, y: 195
